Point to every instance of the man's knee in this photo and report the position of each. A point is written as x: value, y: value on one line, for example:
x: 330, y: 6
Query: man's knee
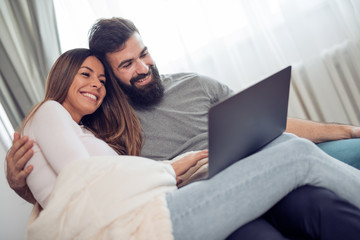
x: 313, y: 212
x: 306, y: 201
x: 313, y: 204
x: 319, y: 201
x: 258, y: 229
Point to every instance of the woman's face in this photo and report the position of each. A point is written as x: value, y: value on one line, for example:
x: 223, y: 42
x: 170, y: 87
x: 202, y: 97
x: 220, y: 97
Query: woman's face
x: 87, y: 90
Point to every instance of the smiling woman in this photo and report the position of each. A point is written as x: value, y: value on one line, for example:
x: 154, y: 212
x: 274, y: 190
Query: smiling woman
x: 76, y: 94
x: 87, y: 91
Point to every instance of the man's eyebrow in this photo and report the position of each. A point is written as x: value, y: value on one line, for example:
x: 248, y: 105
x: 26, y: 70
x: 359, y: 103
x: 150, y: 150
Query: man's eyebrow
x: 144, y: 50
x: 131, y: 59
x: 124, y: 62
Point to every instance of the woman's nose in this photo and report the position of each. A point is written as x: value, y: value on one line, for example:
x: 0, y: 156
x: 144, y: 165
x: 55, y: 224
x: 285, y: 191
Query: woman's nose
x: 96, y: 83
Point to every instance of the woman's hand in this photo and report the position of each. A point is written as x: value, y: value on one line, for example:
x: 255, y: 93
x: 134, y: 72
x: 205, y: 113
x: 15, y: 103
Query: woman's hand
x: 16, y: 158
x: 185, y: 163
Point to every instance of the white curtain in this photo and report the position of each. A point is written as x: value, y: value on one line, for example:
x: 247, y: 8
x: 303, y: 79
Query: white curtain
x: 239, y: 42
x: 28, y: 47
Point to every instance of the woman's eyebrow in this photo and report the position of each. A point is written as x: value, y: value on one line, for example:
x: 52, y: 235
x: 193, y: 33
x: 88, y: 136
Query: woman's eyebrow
x: 101, y: 75
x: 87, y: 68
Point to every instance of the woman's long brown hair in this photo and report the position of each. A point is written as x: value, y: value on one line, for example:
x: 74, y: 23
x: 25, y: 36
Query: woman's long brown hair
x: 114, y: 121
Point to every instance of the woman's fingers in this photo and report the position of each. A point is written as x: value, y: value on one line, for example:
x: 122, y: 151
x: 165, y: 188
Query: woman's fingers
x: 188, y: 161
x: 197, y: 156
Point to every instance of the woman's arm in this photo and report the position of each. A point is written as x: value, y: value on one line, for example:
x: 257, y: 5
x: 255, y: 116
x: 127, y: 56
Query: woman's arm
x: 57, y: 142
x: 57, y: 135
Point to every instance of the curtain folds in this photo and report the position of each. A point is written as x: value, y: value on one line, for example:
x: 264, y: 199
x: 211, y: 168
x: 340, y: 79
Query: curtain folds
x: 239, y: 42
x: 29, y: 46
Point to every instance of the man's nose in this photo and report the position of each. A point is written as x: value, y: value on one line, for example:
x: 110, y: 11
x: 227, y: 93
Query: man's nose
x: 141, y: 67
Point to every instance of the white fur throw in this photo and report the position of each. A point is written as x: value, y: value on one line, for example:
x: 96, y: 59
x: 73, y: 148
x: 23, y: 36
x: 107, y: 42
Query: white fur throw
x: 121, y: 197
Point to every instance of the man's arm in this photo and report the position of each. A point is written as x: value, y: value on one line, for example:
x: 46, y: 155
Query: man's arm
x: 321, y: 132
x: 18, y: 155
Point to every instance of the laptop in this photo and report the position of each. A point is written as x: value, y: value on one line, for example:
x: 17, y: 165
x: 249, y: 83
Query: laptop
x: 244, y: 123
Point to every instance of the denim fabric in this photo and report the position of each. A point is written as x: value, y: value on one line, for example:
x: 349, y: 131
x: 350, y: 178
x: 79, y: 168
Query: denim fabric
x: 347, y: 150
x: 214, y: 208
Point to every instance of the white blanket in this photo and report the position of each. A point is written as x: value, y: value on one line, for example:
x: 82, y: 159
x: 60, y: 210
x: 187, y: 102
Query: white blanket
x: 120, y: 197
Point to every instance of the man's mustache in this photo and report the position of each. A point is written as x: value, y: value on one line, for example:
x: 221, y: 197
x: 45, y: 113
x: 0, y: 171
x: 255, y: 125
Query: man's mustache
x: 140, y: 76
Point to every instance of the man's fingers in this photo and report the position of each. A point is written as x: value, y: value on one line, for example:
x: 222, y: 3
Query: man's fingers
x: 19, y: 182
x: 17, y: 144
x: 355, y: 132
x: 23, y: 154
x: 16, y: 136
x: 20, y: 164
x: 23, y: 174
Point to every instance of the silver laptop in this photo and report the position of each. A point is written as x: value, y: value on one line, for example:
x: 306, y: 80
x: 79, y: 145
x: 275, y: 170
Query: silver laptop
x: 244, y: 123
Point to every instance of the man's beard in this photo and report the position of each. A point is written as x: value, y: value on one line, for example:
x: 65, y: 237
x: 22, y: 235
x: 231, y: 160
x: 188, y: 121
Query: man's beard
x: 147, y: 95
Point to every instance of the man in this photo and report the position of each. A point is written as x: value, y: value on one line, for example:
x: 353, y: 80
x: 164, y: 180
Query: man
x: 173, y: 113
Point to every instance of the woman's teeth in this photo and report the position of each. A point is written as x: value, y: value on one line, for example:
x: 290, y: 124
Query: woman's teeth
x: 90, y: 95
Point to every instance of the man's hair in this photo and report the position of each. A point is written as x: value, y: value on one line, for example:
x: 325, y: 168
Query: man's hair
x: 110, y: 35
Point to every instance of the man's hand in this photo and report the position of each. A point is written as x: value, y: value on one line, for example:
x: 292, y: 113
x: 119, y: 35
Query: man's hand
x: 355, y: 133
x: 16, y: 158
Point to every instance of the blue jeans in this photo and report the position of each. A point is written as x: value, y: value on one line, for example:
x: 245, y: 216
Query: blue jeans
x: 347, y: 150
x: 214, y: 208
x: 310, y: 212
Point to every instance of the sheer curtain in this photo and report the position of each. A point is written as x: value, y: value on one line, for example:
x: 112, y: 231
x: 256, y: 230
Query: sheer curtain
x: 28, y: 47
x: 239, y: 42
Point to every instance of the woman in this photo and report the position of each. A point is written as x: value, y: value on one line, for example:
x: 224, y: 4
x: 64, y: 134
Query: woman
x: 89, y: 192
x: 86, y: 94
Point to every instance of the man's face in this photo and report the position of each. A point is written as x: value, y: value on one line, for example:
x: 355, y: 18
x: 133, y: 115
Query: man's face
x: 136, y: 72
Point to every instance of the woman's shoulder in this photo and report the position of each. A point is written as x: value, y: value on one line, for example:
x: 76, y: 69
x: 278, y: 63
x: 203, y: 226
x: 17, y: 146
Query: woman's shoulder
x: 51, y: 106
x: 49, y: 115
x: 51, y: 110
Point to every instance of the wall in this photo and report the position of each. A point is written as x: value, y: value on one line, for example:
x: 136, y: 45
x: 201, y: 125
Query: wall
x: 14, y: 212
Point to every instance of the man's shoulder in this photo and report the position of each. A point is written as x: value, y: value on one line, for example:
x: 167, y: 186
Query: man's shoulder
x: 178, y: 77
x: 170, y: 80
